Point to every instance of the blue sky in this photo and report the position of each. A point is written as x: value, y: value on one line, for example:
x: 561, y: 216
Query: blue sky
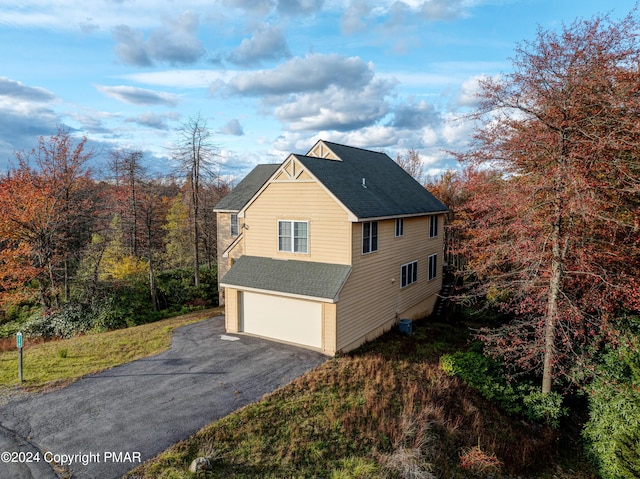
x: 270, y: 76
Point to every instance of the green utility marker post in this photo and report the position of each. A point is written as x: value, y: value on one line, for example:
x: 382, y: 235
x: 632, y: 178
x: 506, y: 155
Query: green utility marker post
x: 19, y: 345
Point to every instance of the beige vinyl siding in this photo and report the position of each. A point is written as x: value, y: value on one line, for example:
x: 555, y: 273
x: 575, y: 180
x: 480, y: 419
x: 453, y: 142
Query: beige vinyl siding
x: 232, y: 310
x: 298, y: 200
x: 224, y: 239
x: 372, y: 298
x: 329, y: 328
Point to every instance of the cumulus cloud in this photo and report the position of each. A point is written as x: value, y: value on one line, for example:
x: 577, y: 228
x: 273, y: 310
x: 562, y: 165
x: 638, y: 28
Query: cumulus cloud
x: 470, y: 91
x: 354, y: 15
x: 267, y: 43
x: 233, y: 127
x: 139, y: 96
x: 315, y: 72
x: 176, y: 42
x: 20, y: 91
x: 414, y: 116
x: 336, y: 108
x: 21, y: 125
x: 25, y: 115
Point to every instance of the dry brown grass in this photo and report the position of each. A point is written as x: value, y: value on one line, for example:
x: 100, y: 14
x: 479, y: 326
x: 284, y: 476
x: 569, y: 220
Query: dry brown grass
x: 387, y: 407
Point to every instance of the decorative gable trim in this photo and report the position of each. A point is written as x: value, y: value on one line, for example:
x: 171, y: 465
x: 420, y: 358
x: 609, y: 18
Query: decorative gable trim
x: 292, y: 170
x: 321, y: 150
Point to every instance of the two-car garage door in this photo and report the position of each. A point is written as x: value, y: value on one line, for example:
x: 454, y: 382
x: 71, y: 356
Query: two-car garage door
x: 282, y: 318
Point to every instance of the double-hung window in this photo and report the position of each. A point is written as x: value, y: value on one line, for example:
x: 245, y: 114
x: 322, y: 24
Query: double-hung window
x: 399, y: 227
x: 293, y: 236
x: 408, y: 274
x: 234, y: 229
x: 433, y: 266
x: 433, y: 226
x: 369, y: 237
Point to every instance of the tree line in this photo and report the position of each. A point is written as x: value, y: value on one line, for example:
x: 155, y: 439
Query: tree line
x: 67, y: 237
x: 544, y: 230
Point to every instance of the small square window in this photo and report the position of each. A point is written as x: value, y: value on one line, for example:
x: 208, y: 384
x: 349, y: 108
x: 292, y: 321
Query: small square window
x: 293, y: 236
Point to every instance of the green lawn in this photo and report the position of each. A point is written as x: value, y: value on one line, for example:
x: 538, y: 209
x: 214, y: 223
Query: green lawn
x: 63, y: 361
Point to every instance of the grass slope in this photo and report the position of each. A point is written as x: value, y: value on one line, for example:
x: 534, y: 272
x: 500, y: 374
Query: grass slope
x: 60, y: 362
x: 386, y: 410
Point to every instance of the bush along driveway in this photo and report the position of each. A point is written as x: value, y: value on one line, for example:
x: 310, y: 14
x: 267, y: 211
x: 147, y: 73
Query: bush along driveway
x: 106, y: 424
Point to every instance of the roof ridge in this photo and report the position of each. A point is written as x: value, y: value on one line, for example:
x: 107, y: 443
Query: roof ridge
x: 353, y: 147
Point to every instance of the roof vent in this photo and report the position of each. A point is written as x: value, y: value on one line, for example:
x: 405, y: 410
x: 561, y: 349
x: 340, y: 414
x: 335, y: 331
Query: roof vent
x: 364, y: 182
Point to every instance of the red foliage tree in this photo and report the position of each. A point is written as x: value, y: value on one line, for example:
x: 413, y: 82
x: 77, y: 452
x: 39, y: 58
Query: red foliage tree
x: 555, y: 236
x: 46, y: 206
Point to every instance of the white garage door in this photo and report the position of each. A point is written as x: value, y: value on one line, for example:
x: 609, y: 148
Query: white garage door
x: 287, y: 319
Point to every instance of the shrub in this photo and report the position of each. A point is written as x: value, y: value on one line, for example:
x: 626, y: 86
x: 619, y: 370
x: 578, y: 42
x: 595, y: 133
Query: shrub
x: 176, y: 287
x: 479, y: 462
x: 613, y: 430
x: 489, y: 378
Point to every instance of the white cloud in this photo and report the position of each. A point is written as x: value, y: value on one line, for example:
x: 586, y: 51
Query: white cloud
x: 232, y: 127
x: 139, y: 96
x: 19, y: 91
x: 175, y: 42
x: 267, y: 43
x: 315, y: 72
x: 336, y: 108
x: 470, y: 91
x: 181, y: 78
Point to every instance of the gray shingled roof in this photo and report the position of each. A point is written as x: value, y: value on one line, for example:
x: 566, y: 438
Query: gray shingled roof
x: 390, y: 191
x: 249, y: 186
x: 304, y: 278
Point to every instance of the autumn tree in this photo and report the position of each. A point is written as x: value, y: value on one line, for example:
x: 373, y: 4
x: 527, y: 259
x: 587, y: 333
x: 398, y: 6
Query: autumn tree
x: 129, y: 172
x: 412, y: 164
x: 194, y: 156
x: 178, y: 250
x: 47, y: 206
x: 554, y: 237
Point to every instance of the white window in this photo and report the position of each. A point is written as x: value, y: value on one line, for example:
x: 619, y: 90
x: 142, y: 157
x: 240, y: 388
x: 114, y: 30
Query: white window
x: 408, y: 274
x: 433, y: 226
x: 234, y: 225
x: 369, y: 237
x: 293, y: 236
x: 399, y: 227
x: 433, y: 266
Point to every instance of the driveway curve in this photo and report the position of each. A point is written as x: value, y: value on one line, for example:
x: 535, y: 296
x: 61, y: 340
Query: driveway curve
x: 106, y: 424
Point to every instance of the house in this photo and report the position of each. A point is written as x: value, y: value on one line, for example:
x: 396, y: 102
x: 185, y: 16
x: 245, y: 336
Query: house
x: 329, y: 249
x: 228, y: 226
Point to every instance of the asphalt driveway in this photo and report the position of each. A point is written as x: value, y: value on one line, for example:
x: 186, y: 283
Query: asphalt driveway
x: 106, y: 424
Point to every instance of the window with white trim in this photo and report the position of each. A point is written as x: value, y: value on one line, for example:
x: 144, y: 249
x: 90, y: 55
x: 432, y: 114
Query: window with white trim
x: 399, y: 227
x: 293, y: 236
x: 433, y: 266
x: 433, y: 226
x: 234, y: 227
x: 408, y: 274
x: 369, y: 237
